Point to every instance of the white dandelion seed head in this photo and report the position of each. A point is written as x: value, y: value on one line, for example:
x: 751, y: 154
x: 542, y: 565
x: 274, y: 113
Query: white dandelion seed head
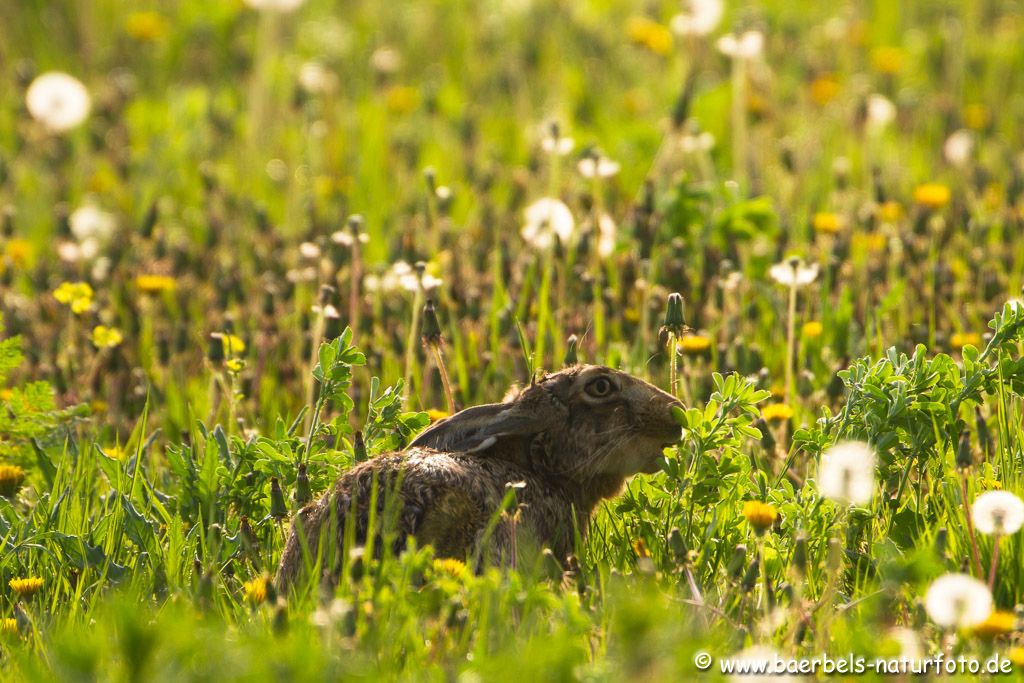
x: 847, y: 473
x: 698, y: 18
x: 431, y: 282
x: 997, y: 512
x: 794, y: 272
x: 91, y: 223
x: 747, y: 45
x: 545, y: 219
x: 958, y: 601
x: 317, y: 79
x: 880, y: 112
x: 958, y: 147
x: 57, y: 100
x: 386, y: 60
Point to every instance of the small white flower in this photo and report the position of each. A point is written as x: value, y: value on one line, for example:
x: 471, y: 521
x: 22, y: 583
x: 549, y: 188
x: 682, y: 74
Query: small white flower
x: 847, y: 473
x: 329, y: 311
x: 998, y: 512
x: 402, y: 276
x: 699, y: 18
x: 748, y: 45
x: 282, y: 6
x: 58, y: 101
x: 309, y: 250
x: 606, y: 230
x: 598, y: 167
x: 697, y: 142
x: 90, y: 223
x: 545, y: 219
x: 794, y: 271
x: 554, y: 143
x: 880, y: 112
x: 69, y: 252
x: 345, y: 238
x: 958, y: 147
x: 958, y: 601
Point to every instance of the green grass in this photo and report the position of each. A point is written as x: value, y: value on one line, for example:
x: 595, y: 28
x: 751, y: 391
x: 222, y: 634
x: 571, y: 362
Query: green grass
x: 146, y: 503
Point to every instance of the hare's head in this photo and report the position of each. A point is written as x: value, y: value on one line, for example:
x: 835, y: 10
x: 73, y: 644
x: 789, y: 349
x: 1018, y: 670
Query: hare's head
x: 583, y: 422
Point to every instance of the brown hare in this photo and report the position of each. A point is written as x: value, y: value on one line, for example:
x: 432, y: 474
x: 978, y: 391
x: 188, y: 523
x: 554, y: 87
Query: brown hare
x: 568, y: 441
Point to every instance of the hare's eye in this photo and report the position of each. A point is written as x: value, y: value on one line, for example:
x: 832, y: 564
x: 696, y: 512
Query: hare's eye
x: 600, y: 387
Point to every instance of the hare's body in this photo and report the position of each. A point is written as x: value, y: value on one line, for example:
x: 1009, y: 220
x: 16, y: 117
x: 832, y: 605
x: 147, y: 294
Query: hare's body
x: 567, y: 442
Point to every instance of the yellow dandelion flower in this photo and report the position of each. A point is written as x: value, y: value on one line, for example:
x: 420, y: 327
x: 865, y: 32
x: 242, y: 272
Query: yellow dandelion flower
x: 6, y: 394
x: 997, y: 624
x: 650, y: 34
x: 694, y: 344
x: 154, y: 284
x: 401, y: 99
x: 977, y: 116
x: 255, y: 590
x: 760, y: 515
x: 452, y: 567
x: 777, y: 391
x: 98, y: 405
x: 889, y: 212
x: 434, y: 414
x: 235, y: 365
x: 992, y: 484
x: 77, y: 295
x: 640, y: 548
x: 812, y: 329
x: 146, y: 27
x: 958, y: 340
x: 8, y: 626
x: 233, y: 344
x: 11, y: 479
x: 104, y: 337
x: 823, y: 90
x: 115, y: 452
x: 776, y: 412
x: 931, y: 195
x: 827, y: 223
x: 1016, y: 655
x: 887, y: 59
x: 26, y: 587
x: 19, y: 251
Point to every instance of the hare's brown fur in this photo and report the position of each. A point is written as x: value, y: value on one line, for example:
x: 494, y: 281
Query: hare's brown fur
x: 572, y: 439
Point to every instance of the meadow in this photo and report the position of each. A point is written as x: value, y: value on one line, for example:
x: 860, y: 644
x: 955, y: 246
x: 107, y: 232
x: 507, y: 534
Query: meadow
x: 245, y: 245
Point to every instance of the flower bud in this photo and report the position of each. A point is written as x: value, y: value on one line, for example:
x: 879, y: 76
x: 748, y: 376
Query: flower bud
x: 431, y: 330
x: 278, y: 509
x: 302, y: 493
x: 675, y: 319
x: 359, y: 447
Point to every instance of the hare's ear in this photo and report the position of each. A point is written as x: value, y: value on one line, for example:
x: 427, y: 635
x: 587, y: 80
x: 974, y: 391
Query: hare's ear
x: 480, y: 427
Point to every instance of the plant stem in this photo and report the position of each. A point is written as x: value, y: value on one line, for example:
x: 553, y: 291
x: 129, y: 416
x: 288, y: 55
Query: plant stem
x: 970, y: 526
x: 673, y: 379
x: 790, y: 342
x: 995, y: 561
x: 439, y: 359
